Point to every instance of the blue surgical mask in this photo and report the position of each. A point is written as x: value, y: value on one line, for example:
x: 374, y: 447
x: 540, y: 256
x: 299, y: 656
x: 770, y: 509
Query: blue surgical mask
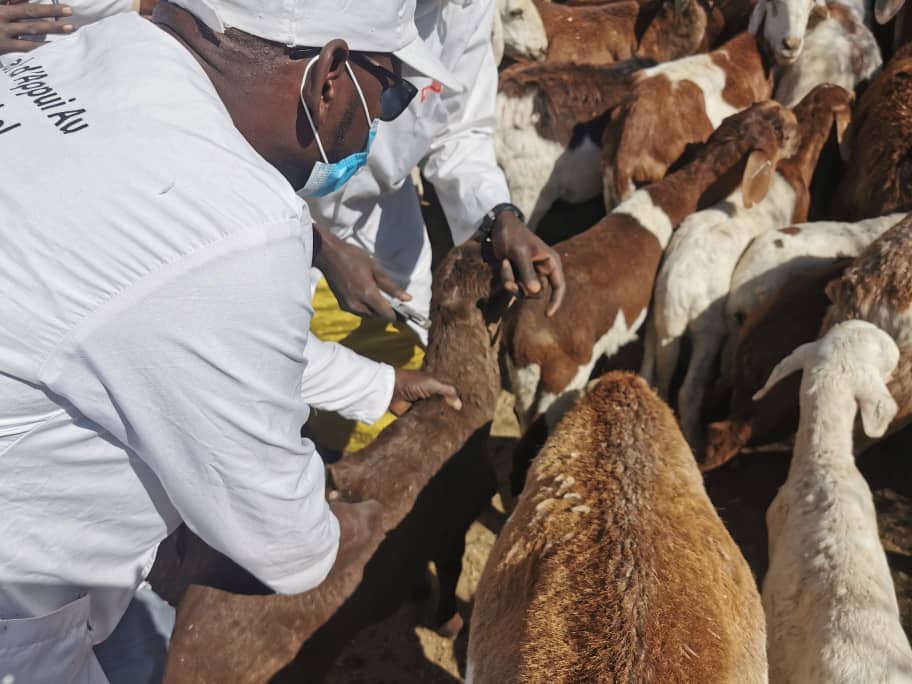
x: 327, y: 177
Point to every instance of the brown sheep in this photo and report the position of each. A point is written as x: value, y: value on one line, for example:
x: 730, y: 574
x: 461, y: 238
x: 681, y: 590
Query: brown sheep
x: 878, y: 178
x: 615, y: 566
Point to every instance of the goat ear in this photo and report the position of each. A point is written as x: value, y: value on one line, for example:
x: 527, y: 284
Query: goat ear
x: 843, y: 117
x: 681, y: 6
x: 792, y: 363
x: 876, y: 405
x: 884, y: 10
x: 756, y: 18
x: 758, y: 175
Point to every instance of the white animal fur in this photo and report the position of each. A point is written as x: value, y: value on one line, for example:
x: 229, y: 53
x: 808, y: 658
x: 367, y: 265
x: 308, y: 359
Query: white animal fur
x: 525, y: 381
x: 830, y: 604
x: 541, y: 171
x: 523, y: 31
x: 692, y: 286
x: 775, y: 257
x: 831, y: 54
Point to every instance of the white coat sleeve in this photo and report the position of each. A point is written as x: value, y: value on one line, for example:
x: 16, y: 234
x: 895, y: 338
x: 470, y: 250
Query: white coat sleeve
x: 196, y: 369
x: 337, y: 379
x: 461, y: 162
x: 89, y: 11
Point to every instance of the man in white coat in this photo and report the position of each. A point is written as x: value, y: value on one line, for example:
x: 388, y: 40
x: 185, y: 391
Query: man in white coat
x: 448, y: 132
x: 155, y: 361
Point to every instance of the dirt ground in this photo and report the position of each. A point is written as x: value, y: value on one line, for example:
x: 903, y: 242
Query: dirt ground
x: 401, y: 650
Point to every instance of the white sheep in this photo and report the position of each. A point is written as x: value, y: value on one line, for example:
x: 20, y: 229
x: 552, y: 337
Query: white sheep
x: 831, y: 609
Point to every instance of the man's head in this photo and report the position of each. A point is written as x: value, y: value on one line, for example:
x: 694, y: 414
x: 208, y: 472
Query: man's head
x: 269, y: 63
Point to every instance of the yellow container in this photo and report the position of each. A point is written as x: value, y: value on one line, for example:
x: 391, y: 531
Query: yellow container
x: 395, y: 344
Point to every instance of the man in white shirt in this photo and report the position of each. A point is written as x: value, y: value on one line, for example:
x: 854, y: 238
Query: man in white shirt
x: 155, y: 362
x: 448, y: 132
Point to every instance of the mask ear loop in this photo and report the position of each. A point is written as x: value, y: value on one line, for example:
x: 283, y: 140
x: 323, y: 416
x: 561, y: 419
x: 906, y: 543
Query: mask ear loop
x: 307, y: 111
x: 360, y: 94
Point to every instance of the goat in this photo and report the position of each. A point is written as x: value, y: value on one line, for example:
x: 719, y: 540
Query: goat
x: 838, y: 48
x: 831, y: 609
x: 614, y: 565
x: 775, y: 256
x: 429, y: 497
x: 588, y: 34
x: 551, y: 118
x: 640, y: 144
x: 696, y: 273
x: 610, y: 268
x: 790, y: 318
x: 784, y: 26
x: 878, y: 178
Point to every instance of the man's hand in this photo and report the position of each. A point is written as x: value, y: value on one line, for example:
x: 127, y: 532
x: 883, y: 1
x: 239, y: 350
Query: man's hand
x: 521, y: 251
x: 412, y: 385
x: 354, y: 278
x: 360, y: 532
x: 20, y: 20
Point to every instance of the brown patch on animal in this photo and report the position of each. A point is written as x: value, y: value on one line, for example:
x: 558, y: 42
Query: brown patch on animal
x: 878, y: 178
x: 639, y: 151
x: 778, y: 243
x: 601, y: 34
x: 567, y: 96
x: 673, y: 34
x: 637, y: 580
x: 791, y: 230
x: 748, y: 79
x: 815, y: 114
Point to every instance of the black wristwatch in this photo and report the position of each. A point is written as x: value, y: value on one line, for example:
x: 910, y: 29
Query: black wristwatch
x: 483, y: 234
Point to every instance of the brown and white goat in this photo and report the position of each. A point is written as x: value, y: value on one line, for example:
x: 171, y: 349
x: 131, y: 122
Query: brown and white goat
x: 674, y: 104
x: 878, y: 178
x: 551, y: 118
x: 610, y: 268
x: 615, y: 566
x: 429, y: 472
x: 694, y: 281
x: 543, y: 31
x: 838, y: 49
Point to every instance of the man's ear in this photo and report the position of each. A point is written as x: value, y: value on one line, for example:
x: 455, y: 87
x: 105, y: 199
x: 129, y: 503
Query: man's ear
x: 322, y: 78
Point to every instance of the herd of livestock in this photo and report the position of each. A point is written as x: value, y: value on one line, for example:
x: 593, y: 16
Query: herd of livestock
x: 755, y: 160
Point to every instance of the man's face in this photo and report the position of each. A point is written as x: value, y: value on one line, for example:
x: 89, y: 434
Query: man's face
x: 351, y: 125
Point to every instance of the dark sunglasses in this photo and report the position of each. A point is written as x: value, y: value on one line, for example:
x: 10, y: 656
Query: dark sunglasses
x: 397, y: 93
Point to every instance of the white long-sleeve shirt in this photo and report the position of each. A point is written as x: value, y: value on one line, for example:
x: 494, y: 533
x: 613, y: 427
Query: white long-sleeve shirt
x: 448, y: 133
x: 155, y: 360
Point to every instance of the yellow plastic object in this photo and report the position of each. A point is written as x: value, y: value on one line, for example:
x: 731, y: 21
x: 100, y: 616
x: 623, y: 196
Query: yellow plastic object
x: 394, y: 344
